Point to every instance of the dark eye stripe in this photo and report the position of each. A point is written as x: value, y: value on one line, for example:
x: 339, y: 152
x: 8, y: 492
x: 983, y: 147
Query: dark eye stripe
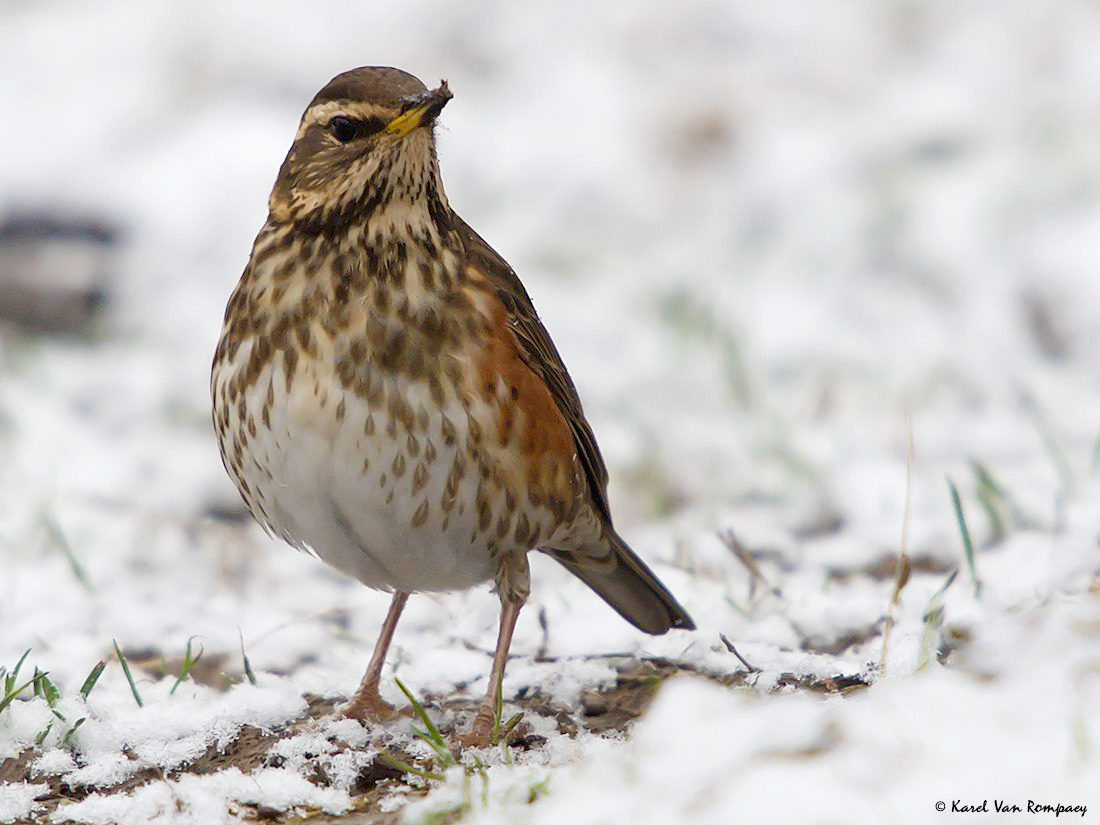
x: 372, y: 124
x: 346, y: 129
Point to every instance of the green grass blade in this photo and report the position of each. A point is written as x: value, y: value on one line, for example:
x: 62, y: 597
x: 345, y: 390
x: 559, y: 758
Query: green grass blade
x: 737, y: 607
x: 189, y: 663
x: 933, y: 620
x: 968, y: 545
x: 93, y: 677
x: 129, y: 677
x: 45, y: 688
x: 69, y: 734
x: 247, y: 664
x: 57, y: 538
x: 1050, y: 441
x: 990, y: 497
x: 1008, y: 508
x: 510, y: 726
x: 986, y: 480
x: 11, y: 678
x: 433, y: 737
x: 484, y: 774
x: 538, y: 789
x: 391, y: 760
x: 950, y: 580
x: 38, y: 740
x: 441, y: 752
x: 9, y: 695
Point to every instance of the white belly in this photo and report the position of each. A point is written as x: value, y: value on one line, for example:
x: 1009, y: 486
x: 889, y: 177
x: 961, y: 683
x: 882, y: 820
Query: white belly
x: 371, y: 499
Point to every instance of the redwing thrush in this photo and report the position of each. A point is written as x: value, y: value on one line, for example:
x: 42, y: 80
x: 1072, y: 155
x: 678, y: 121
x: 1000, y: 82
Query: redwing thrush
x: 385, y: 396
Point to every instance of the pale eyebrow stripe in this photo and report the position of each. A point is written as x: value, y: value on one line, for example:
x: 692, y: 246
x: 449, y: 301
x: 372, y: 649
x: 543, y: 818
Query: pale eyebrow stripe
x: 323, y: 112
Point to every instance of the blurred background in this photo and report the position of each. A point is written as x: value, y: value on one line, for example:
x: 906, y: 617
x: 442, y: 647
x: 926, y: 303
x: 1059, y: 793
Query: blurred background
x: 762, y: 234
x: 759, y: 233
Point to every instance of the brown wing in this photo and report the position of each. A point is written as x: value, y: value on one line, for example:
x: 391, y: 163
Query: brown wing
x: 541, y: 356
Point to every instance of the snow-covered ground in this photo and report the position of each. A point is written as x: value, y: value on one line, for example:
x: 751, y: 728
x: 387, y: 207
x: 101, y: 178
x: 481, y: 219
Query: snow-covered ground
x: 762, y: 235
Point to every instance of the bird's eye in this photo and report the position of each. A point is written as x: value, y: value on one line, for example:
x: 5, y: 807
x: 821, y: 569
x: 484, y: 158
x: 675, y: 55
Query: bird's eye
x: 343, y: 128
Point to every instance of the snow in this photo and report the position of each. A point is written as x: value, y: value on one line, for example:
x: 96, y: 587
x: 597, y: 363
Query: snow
x: 761, y: 234
x: 17, y: 799
x: 207, y: 799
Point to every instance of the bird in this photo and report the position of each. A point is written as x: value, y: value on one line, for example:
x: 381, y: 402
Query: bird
x: 386, y: 398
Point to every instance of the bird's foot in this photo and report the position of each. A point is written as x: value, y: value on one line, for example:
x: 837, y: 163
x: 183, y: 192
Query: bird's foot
x: 480, y: 734
x: 368, y: 706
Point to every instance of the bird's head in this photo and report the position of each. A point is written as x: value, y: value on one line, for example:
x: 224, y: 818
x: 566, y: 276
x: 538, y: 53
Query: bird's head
x: 365, y: 142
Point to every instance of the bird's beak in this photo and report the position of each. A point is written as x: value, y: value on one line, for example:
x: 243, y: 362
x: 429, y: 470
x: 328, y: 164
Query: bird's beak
x: 419, y: 110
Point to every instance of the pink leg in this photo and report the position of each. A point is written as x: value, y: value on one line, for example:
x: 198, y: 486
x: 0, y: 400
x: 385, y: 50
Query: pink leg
x: 367, y: 703
x: 480, y: 733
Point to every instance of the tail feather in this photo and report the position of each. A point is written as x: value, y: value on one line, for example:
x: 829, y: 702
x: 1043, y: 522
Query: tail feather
x: 625, y: 582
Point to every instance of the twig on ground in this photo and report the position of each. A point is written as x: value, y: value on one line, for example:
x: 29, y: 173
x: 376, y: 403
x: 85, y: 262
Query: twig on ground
x: 741, y: 553
x: 902, y: 568
x: 740, y: 658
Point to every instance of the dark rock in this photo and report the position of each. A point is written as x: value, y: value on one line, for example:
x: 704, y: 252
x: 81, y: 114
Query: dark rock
x: 55, y: 271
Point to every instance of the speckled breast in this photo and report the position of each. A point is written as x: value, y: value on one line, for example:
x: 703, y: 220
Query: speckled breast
x: 367, y: 414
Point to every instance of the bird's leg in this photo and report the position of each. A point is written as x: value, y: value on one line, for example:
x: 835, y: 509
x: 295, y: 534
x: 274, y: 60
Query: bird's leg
x: 367, y: 703
x: 479, y: 734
